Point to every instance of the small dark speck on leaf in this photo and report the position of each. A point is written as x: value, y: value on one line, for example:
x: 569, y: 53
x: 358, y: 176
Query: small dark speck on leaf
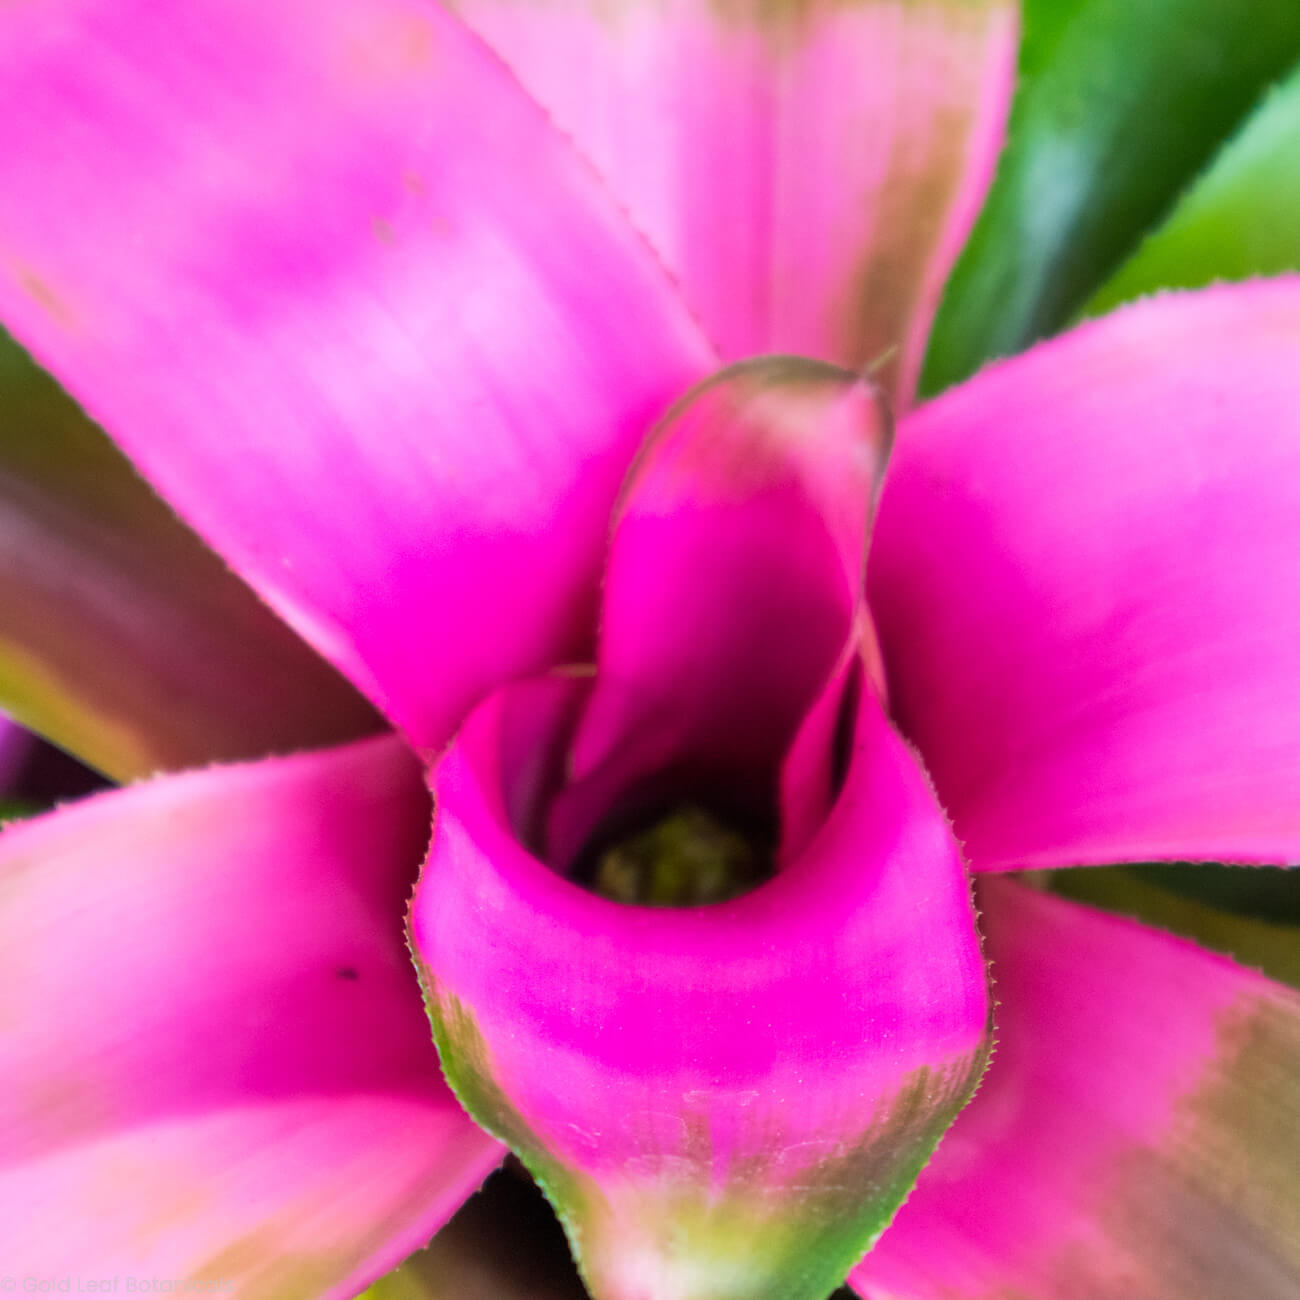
x: 347, y: 973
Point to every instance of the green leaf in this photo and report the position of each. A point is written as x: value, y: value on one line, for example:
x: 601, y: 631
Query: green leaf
x: 1242, y: 218
x: 1121, y: 104
x: 122, y: 638
x: 1266, y: 893
x: 12, y: 810
x: 1166, y: 896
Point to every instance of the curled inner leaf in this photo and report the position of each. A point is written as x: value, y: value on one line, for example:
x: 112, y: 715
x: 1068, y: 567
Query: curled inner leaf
x: 724, y: 1101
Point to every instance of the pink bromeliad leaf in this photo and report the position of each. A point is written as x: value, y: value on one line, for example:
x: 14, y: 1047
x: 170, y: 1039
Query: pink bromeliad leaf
x: 216, y: 1064
x: 722, y: 1101
x: 358, y: 312
x: 807, y: 168
x: 1086, y: 584
x: 1135, y: 1135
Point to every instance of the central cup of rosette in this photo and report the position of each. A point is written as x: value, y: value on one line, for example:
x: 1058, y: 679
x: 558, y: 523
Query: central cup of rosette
x: 695, y: 937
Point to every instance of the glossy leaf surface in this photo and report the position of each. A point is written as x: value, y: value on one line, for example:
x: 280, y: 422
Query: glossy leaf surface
x: 1242, y: 218
x: 1120, y: 106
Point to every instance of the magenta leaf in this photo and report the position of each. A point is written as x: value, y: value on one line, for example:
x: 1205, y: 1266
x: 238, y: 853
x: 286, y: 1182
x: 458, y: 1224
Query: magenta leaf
x: 216, y: 1065
x: 1137, y: 1134
x: 1084, y: 574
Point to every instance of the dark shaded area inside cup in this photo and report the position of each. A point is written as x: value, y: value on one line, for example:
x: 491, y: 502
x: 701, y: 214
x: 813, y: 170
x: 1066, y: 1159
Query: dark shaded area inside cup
x: 687, y: 830
x: 683, y: 854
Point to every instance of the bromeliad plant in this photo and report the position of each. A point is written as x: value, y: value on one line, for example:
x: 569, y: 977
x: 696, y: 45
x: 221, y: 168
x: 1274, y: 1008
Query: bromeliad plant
x: 549, y: 370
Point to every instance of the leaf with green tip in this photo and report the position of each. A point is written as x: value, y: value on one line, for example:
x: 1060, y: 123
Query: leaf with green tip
x: 124, y: 639
x: 1120, y: 106
x: 807, y: 169
x: 1238, y: 220
x: 724, y: 1102
x: 1135, y: 1137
